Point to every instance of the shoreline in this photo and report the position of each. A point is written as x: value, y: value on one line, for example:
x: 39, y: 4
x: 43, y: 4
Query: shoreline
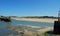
x: 30, y: 26
x: 40, y: 31
x: 48, y: 20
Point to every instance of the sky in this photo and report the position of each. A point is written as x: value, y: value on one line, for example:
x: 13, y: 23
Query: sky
x: 29, y: 7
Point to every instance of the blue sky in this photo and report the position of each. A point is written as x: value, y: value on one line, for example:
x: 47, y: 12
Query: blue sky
x: 29, y: 7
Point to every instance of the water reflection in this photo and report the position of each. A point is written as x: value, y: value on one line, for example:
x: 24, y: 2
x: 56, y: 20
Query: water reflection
x: 3, y: 28
x: 9, y: 25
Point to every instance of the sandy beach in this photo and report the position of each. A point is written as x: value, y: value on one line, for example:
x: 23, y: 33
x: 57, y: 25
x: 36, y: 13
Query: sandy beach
x: 37, y: 20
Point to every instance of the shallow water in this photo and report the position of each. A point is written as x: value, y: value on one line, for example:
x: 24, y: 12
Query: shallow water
x: 41, y: 24
x: 3, y: 29
x: 4, y: 25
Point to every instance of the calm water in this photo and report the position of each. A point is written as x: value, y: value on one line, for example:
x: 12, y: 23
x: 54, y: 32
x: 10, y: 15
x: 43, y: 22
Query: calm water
x: 4, y: 25
x: 41, y: 24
